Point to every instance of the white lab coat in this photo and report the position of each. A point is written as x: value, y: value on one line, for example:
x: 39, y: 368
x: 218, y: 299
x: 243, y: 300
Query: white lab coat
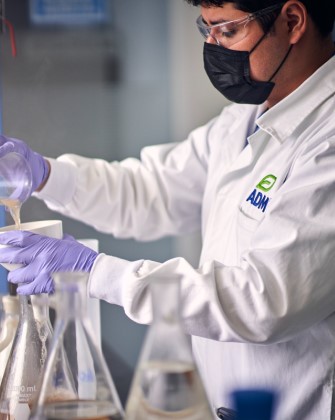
x: 261, y: 304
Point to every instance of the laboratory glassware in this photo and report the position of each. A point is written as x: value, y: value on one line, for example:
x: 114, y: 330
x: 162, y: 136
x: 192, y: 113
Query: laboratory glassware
x: 15, y: 177
x: 94, y: 395
x: 166, y: 383
x: 15, y: 183
x: 11, y: 308
x: 26, y: 360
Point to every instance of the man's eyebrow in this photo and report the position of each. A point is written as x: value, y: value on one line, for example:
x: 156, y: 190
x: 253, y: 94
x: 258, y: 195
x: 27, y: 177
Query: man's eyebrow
x: 215, y: 22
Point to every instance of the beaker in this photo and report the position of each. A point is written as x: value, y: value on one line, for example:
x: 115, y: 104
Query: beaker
x: 11, y: 307
x: 94, y: 395
x: 166, y: 383
x: 15, y: 183
x: 25, y: 362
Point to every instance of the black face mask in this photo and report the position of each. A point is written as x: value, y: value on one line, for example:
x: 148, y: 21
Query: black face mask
x: 229, y: 72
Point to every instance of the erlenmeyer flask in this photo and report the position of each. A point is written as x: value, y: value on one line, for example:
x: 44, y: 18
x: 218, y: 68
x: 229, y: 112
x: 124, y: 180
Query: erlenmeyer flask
x: 25, y: 362
x: 166, y: 383
x: 11, y: 307
x: 94, y: 395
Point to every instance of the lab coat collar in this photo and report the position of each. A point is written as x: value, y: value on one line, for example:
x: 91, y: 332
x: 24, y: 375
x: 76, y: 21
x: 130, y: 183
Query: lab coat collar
x: 286, y: 116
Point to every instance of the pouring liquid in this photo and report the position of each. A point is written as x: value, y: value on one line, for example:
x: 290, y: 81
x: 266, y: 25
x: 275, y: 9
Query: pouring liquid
x: 14, y: 207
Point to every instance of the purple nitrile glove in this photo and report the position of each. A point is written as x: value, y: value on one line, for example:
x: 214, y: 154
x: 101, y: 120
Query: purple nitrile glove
x: 42, y: 256
x: 38, y: 165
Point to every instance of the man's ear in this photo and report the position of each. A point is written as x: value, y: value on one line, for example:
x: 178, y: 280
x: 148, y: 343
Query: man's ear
x: 295, y: 15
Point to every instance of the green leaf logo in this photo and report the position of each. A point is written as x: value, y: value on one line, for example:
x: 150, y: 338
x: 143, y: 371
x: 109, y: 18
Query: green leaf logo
x: 267, y: 183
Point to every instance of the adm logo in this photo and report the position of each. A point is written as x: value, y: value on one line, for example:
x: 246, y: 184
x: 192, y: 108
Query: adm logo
x: 258, y: 198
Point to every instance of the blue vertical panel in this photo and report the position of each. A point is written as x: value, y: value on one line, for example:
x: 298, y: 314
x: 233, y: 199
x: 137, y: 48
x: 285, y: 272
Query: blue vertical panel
x: 3, y: 272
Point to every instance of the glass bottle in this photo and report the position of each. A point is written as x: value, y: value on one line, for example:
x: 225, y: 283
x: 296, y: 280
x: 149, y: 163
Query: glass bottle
x: 166, y: 383
x: 25, y: 362
x: 11, y: 307
x: 92, y: 394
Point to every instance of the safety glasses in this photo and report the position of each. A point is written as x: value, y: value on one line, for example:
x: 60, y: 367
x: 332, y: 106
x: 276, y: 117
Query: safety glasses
x: 230, y: 32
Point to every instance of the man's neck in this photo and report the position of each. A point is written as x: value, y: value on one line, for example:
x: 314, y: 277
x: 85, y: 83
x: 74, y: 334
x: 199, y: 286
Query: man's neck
x: 304, y: 61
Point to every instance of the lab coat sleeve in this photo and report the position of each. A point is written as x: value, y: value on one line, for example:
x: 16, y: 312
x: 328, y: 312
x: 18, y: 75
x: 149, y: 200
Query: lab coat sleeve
x: 284, y: 283
x: 158, y: 195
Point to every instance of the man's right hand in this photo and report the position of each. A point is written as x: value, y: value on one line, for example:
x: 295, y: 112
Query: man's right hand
x: 40, y: 167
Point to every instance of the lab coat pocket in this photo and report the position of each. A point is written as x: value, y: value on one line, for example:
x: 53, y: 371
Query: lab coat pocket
x: 246, y: 227
x: 248, y: 221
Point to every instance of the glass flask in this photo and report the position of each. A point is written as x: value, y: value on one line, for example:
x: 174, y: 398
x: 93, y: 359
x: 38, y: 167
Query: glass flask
x: 92, y: 394
x: 26, y: 360
x: 166, y: 383
x: 11, y: 308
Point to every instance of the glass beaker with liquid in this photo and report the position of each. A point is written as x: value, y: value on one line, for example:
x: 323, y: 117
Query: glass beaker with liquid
x: 11, y: 307
x: 93, y: 394
x: 15, y: 183
x: 26, y: 360
x: 166, y: 383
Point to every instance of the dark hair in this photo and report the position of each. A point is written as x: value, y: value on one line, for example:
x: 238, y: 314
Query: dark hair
x: 322, y: 12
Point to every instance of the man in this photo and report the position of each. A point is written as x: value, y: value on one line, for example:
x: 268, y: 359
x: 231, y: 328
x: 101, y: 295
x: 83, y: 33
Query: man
x: 259, y: 182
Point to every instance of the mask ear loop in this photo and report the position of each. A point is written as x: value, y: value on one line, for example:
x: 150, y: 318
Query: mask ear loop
x: 282, y: 63
x: 258, y: 42
x: 266, y: 32
x: 11, y: 31
x: 283, y: 60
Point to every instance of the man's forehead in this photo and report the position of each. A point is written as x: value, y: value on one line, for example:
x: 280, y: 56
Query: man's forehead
x: 226, y: 13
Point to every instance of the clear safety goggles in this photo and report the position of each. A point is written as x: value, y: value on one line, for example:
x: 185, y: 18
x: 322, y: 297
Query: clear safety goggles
x: 230, y: 32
